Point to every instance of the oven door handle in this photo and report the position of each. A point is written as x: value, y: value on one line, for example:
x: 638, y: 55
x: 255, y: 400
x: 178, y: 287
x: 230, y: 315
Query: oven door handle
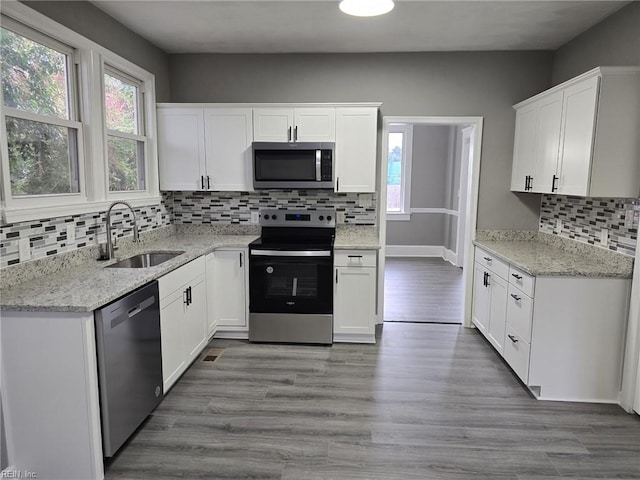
x: 291, y: 253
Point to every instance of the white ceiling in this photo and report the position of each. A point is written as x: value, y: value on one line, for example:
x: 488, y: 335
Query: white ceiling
x: 266, y: 26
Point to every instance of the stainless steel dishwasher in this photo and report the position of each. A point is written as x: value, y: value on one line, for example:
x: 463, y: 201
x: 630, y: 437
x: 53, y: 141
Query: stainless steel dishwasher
x: 129, y: 364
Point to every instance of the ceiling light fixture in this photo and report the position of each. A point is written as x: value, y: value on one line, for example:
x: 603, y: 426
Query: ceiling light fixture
x: 366, y: 8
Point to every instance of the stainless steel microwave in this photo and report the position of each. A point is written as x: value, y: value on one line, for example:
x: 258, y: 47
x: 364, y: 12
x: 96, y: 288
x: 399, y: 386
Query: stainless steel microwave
x: 293, y: 165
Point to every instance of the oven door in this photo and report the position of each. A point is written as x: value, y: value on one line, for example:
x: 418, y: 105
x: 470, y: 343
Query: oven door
x: 291, y: 281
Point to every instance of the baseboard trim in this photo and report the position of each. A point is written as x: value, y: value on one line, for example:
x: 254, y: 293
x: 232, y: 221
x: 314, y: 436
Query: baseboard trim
x: 414, y: 251
x: 231, y: 335
x: 353, y: 338
x: 450, y: 256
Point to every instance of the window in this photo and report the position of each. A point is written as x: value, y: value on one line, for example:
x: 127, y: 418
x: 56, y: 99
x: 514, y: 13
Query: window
x: 39, y: 113
x: 124, y: 122
x: 77, y: 122
x: 399, y: 143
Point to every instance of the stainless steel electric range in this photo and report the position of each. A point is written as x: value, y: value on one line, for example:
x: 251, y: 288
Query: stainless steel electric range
x: 291, y: 277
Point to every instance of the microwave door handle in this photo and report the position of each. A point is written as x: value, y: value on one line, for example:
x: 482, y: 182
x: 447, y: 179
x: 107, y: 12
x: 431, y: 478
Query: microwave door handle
x: 318, y: 165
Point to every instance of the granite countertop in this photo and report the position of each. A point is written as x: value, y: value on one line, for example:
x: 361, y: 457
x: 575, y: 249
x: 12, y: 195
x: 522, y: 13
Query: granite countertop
x: 86, y: 287
x: 356, y: 238
x: 542, y: 259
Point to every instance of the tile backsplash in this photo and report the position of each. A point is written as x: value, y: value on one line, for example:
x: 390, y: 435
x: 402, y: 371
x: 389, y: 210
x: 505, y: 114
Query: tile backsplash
x: 583, y: 220
x: 236, y: 207
x: 49, y: 236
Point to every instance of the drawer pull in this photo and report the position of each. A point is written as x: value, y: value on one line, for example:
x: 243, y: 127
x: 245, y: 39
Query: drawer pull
x: 515, y: 297
x: 512, y: 338
x: 488, y: 259
x: 516, y: 276
x: 354, y: 256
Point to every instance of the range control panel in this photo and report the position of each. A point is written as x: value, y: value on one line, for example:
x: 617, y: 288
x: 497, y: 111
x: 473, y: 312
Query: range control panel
x: 298, y: 218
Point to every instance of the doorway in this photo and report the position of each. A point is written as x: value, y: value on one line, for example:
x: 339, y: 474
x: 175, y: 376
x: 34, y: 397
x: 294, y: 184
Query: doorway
x: 428, y: 262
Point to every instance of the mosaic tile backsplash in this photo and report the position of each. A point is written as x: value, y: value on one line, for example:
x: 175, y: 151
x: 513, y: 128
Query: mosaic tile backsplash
x: 49, y: 236
x: 584, y: 218
x: 236, y: 207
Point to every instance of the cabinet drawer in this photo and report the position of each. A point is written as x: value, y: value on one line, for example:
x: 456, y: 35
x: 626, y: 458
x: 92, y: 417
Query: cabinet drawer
x: 492, y: 263
x: 525, y: 282
x: 516, y: 353
x: 175, y: 280
x: 354, y: 258
x: 519, y: 312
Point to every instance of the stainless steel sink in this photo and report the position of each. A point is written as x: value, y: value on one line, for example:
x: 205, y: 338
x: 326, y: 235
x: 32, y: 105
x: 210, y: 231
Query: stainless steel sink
x: 145, y: 260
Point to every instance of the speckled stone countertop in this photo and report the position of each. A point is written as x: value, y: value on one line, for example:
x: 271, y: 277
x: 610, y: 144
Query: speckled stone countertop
x: 356, y: 238
x: 540, y: 257
x: 88, y: 286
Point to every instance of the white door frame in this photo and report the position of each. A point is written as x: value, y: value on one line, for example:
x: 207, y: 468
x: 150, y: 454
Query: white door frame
x: 630, y: 394
x: 471, y: 203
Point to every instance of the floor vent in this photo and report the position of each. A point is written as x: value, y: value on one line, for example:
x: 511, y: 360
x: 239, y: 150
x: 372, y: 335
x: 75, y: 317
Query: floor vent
x: 213, y: 354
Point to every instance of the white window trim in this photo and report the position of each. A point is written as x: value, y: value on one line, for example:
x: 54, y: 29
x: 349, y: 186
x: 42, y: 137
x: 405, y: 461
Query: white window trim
x: 90, y: 58
x: 404, y: 214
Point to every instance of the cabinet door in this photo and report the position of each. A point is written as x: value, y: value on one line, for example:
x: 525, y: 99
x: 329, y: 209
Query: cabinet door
x: 195, y: 319
x: 314, y: 125
x: 173, y: 358
x: 354, y: 301
x: 229, y: 289
x: 212, y: 322
x: 497, y: 311
x: 356, y: 137
x: 524, y: 147
x: 273, y: 125
x: 578, y: 125
x: 547, y: 142
x: 480, y: 315
x: 228, y: 133
x: 181, y: 148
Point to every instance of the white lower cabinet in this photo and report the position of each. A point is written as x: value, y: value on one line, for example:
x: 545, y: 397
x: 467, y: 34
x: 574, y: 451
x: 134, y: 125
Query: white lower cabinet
x: 183, y: 314
x: 354, y: 297
x: 564, y: 336
x: 227, y: 287
x: 490, y: 299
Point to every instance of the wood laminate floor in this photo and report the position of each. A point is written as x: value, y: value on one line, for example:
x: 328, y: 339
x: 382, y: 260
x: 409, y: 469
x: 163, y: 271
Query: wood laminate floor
x: 425, y: 290
x: 426, y: 402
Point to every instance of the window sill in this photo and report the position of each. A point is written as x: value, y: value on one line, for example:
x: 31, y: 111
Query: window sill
x: 398, y: 216
x: 16, y: 215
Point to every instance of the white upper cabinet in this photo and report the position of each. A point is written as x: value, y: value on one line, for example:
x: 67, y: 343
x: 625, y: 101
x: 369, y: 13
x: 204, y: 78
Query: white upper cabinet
x: 181, y: 148
x: 306, y: 124
x: 580, y: 137
x: 356, y: 149
x: 205, y: 148
x: 228, y: 135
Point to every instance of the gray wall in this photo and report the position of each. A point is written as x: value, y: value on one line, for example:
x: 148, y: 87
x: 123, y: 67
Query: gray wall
x: 91, y: 22
x: 483, y: 84
x: 430, y: 188
x: 614, y: 41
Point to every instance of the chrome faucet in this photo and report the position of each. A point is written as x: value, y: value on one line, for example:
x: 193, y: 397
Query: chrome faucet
x: 110, y: 248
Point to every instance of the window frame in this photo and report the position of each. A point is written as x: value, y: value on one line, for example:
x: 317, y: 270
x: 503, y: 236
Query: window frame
x: 141, y: 136
x: 404, y: 214
x: 89, y: 67
x: 73, y: 122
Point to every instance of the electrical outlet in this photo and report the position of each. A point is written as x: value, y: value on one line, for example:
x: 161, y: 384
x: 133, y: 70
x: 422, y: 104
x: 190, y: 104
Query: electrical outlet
x: 604, y: 237
x: 159, y: 218
x: 364, y: 199
x: 340, y: 217
x: 255, y: 217
x: 71, y: 234
x: 24, y: 249
x: 558, y: 225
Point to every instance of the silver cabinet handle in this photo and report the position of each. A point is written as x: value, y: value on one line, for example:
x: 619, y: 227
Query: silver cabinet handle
x: 512, y: 338
x: 516, y: 276
x: 515, y: 297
